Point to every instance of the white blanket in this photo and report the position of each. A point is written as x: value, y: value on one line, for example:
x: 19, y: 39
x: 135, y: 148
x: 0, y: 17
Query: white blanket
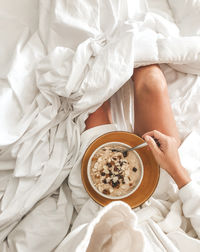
x: 59, y: 61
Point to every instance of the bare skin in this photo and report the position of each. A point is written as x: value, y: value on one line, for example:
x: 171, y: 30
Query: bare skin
x: 151, y: 104
x: 167, y: 156
x: 100, y: 117
x: 153, y: 114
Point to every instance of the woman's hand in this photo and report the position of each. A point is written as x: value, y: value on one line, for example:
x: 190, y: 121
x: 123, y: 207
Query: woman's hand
x: 166, y: 154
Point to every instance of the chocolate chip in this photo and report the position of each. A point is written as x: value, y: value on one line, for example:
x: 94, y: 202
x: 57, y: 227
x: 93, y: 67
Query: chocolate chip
x: 104, y: 149
x: 115, y: 168
x: 114, y: 150
x: 121, y: 163
x: 105, y: 191
x: 123, y: 182
x: 110, y: 173
x: 104, y: 181
x: 130, y: 184
x: 103, y: 174
x: 134, y: 169
x: 115, y: 184
x: 114, y: 158
x: 125, y: 153
x: 109, y: 164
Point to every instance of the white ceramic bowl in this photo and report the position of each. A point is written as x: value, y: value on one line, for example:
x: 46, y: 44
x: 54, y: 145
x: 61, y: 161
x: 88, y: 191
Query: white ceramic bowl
x: 90, y: 179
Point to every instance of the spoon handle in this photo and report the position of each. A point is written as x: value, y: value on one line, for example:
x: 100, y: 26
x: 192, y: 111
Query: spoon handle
x: 138, y: 146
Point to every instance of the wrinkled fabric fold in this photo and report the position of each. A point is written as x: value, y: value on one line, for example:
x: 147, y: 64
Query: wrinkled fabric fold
x: 60, y: 60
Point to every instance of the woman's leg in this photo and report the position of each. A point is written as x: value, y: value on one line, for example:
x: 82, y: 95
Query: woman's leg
x: 151, y: 102
x: 101, y: 116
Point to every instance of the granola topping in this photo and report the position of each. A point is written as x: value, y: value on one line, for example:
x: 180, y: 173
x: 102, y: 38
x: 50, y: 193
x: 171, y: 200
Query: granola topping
x: 113, y: 173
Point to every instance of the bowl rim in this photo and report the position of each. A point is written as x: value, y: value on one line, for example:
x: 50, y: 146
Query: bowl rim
x: 90, y: 179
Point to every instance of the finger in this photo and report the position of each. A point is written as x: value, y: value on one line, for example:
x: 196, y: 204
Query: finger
x: 154, y: 133
x: 158, y: 137
x: 149, y: 133
x: 157, y: 134
x: 152, y: 145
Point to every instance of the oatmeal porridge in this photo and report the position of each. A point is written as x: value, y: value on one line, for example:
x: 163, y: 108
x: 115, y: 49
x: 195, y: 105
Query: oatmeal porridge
x: 113, y: 173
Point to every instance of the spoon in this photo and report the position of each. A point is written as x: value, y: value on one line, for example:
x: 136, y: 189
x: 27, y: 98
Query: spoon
x: 125, y: 152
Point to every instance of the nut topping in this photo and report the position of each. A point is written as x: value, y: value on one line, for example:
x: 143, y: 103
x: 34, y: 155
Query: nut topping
x: 112, y: 173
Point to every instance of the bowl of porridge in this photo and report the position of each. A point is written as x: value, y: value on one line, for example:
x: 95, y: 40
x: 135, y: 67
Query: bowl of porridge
x: 111, y: 173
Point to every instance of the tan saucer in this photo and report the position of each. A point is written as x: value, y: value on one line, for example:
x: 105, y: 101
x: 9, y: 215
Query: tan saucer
x: 151, y: 168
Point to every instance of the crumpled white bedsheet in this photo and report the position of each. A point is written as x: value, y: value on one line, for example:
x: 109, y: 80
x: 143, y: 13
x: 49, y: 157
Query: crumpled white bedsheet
x: 60, y: 60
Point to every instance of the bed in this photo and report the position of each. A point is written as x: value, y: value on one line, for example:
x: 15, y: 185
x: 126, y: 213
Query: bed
x: 60, y: 60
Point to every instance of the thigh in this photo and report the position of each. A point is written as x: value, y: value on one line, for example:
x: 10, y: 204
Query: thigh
x: 151, y: 102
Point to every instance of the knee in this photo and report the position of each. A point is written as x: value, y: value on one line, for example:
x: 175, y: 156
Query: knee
x: 149, y: 80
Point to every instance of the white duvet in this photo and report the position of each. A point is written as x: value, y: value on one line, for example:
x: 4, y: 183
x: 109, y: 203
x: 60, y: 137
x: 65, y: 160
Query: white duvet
x: 59, y: 61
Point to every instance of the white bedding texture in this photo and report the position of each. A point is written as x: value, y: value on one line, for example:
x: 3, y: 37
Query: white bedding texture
x: 60, y: 60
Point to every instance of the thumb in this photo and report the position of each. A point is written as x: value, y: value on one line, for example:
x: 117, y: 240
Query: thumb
x: 152, y: 145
